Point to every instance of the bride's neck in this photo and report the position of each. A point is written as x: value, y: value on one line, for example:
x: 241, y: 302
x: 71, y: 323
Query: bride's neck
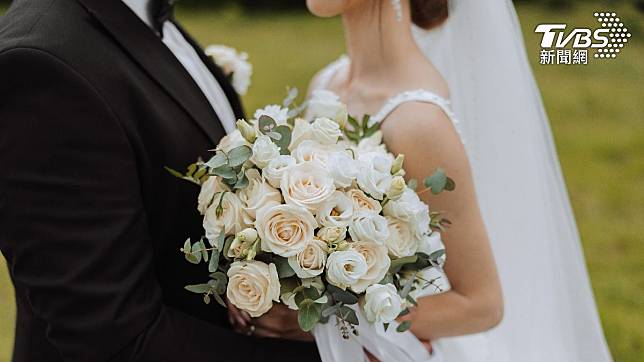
x: 378, y: 44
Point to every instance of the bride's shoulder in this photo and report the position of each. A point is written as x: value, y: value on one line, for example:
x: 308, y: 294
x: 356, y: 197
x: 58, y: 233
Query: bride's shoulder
x: 421, y: 123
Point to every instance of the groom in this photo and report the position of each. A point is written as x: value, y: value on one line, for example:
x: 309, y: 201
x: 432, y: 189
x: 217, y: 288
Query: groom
x: 97, y: 96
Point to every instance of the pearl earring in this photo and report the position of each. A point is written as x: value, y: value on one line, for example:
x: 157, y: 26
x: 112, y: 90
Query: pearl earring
x: 397, y: 9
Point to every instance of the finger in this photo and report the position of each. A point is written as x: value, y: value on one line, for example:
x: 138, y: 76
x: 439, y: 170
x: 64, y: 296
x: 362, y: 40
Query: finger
x: 236, y: 314
x: 266, y: 333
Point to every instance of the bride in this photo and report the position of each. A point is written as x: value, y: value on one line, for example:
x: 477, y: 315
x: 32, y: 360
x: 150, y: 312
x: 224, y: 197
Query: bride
x: 471, y: 51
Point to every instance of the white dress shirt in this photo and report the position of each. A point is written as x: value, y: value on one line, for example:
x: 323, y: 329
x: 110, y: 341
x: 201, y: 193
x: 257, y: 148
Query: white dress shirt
x: 190, y: 60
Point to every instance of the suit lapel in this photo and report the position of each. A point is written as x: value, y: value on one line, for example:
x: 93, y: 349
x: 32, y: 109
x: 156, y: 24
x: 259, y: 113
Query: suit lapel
x: 157, y: 60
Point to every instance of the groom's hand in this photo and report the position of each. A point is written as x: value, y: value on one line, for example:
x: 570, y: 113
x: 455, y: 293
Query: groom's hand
x: 279, y: 322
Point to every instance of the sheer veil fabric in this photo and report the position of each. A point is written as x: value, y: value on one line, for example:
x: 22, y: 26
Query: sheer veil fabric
x: 550, y: 312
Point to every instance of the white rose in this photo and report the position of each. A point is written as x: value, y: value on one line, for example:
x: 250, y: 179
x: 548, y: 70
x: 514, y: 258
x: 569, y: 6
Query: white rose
x: 307, y: 185
x: 362, y: 202
x: 382, y: 304
x: 327, y: 104
x: 310, y: 262
x: 232, y: 63
x: 230, y: 221
x: 343, y: 168
x: 332, y: 234
x: 232, y: 140
x: 207, y: 193
x: 368, y: 226
x: 410, y: 208
x: 277, y: 113
x: 312, y: 151
x: 301, y: 132
x: 378, y: 263
x: 253, y: 286
x: 325, y: 131
x: 375, y: 173
x: 285, y: 229
x: 371, y: 144
x: 275, y: 169
x: 336, y: 211
x: 256, y: 195
x: 345, y: 268
x: 264, y: 150
x: 401, y: 241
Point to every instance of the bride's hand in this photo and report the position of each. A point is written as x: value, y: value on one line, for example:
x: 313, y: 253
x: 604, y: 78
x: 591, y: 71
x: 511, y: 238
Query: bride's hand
x: 279, y: 322
x: 410, y: 317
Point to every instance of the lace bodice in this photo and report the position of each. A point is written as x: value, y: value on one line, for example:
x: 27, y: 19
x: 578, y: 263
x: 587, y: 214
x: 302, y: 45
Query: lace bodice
x: 418, y: 95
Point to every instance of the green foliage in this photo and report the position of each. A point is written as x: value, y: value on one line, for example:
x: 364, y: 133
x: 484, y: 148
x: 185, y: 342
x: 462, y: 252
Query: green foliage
x: 360, y: 129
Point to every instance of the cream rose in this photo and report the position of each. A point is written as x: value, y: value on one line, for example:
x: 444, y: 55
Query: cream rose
x: 342, y: 167
x: 324, y: 103
x: 264, y: 150
x: 209, y: 189
x: 368, y: 226
x: 378, y: 263
x: 345, y: 268
x: 362, y: 202
x: 332, y: 234
x: 275, y: 169
x: 375, y: 173
x: 285, y: 229
x: 336, y: 211
x: 312, y: 151
x: 382, y: 304
x: 256, y: 195
x: 232, y: 140
x: 401, y: 241
x: 253, y: 286
x: 230, y: 221
x: 310, y: 262
x: 411, y: 209
x: 301, y: 132
x: 307, y: 185
x: 325, y: 131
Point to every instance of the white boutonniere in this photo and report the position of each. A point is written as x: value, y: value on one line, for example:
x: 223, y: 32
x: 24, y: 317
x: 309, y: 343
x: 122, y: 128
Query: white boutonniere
x: 234, y: 64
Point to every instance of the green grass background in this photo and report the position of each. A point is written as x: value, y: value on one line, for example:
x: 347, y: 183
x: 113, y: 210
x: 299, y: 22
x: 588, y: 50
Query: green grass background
x: 597, y: 115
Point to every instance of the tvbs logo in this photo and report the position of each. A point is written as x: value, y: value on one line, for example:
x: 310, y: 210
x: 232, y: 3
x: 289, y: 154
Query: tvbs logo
x: 562, y: 46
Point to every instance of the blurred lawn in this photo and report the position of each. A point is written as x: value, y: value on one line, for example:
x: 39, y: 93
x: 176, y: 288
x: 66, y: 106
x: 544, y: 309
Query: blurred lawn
x: 597, y: 116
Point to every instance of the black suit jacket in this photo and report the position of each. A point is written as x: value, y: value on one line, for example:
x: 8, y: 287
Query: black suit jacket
x: 92, y: 107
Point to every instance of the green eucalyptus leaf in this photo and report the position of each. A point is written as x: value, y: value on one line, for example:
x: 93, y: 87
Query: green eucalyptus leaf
x: 197, y: 288
x: 238, y: 155
x: 266, y: 124
x: 206, y: 298
x: 187, y: 247
x: 284, y: 139
x: 284, y: 270
x: 225, y: 171
x: 241, y: 183
x: 218, y: 160
x: 309, y: 315
x: 436, y: 182
x: 220, y: 300
x: 192, y: 258
x: 403, y: 326
x: 396, y: 264
x: 214, y: 261
x: 343, y: 296
x: 218, y: 282
x: 349, y: 315
x: 450, y: 185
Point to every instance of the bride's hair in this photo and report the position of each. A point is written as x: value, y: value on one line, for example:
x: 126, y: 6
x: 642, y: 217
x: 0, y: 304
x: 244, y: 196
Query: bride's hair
x: 428, y: 13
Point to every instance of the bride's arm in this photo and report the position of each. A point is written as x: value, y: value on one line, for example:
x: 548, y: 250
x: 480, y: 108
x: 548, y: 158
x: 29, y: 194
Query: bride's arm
x: 474, y: 303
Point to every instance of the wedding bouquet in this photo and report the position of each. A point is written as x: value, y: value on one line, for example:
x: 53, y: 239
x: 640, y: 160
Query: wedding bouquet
x: 313, y: 212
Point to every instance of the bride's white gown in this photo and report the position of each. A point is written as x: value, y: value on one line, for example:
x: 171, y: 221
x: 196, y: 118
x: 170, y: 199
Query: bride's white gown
x: 550, y: 313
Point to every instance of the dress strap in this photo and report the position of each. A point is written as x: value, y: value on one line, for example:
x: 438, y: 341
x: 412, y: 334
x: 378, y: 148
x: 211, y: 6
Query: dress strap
x: 326, y: 74
x: 418, y: 95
